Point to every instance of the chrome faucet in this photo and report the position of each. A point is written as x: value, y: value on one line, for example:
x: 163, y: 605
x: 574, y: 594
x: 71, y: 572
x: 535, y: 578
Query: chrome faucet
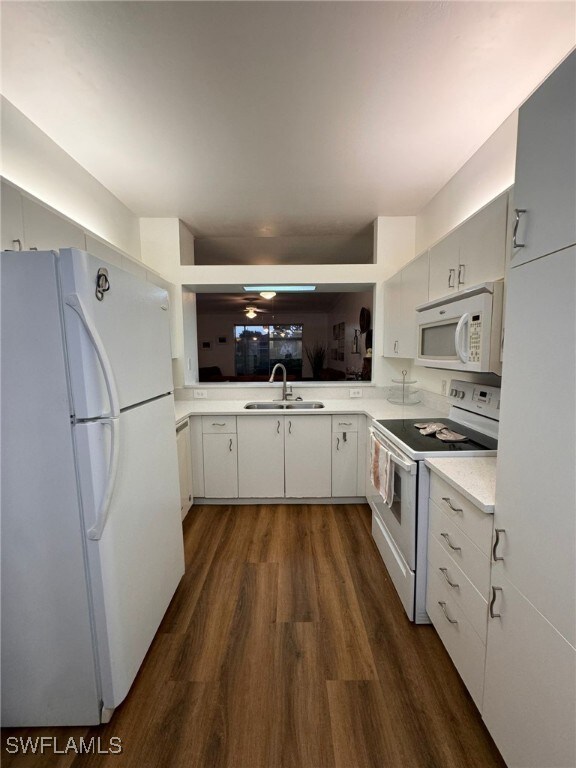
x: 271, y: 379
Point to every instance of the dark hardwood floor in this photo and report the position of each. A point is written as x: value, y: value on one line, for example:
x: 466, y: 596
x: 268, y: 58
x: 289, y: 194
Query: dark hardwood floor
x: 286, y: 646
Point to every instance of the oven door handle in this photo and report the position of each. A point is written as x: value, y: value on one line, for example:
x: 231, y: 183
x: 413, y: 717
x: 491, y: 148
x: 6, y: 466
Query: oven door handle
x: 409, y: 466
x: 460, y: 350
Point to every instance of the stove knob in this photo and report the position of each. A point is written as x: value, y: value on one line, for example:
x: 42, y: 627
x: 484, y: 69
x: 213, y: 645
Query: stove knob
x: 461, y: 394
x: 453, y: 392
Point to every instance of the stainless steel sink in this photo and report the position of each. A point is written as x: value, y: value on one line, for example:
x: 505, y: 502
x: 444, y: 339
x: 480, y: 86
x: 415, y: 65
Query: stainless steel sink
x: 264, y: 406
x: 280, y: 406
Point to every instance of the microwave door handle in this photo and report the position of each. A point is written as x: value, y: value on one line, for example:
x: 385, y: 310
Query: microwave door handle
x: 458, y: 341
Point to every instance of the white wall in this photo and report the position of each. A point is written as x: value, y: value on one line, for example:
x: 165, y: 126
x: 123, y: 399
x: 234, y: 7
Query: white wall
x: 32, y: 161
x: 486, y: 174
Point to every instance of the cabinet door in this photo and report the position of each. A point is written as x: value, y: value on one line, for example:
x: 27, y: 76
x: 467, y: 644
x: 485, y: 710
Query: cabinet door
x: 414, y: 291
x: 529, y: 692
x: 261, y: 456
x: 392, y: 312
x: 535, y: 494
x: 444, y: 260
x: 220, y: 467
x: 184, y: 467
x: 308, y: 464
x: 344, y: 464
x: 483, y: 245
x: 45, y: 230
x: 545, y: 183
x: 11, y: 218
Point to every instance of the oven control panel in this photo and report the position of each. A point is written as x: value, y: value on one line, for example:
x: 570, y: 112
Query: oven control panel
x: 475, y: 398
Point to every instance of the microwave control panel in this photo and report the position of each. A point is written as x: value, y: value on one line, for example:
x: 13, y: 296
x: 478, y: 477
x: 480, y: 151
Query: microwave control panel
x: 475, y: 338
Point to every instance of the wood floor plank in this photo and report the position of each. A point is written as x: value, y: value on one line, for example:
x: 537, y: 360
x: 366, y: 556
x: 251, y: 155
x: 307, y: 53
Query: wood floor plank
x: 347, y: 654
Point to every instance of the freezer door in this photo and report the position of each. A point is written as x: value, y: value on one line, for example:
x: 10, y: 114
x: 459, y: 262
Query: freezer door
x: 136, y: 564
x: 118, y: 337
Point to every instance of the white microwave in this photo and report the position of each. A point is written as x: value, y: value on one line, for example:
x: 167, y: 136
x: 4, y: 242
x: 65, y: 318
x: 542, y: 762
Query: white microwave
x: 462, y: 331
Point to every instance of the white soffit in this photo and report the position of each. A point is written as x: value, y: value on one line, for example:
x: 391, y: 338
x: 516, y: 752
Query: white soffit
x: 276, y: 118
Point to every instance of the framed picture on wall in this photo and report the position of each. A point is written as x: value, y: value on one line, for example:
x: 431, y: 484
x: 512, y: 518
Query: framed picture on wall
x: 222, y: 339
x: 206, y: 345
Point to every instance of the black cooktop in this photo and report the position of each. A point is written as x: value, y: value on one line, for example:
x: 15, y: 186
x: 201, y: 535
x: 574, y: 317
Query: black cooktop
x: 405, y: 431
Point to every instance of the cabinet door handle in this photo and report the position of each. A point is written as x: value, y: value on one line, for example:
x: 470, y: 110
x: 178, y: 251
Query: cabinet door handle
x: 218, y: 424
x: 396, y: 346
x: 442, y: 605
x: 519, y: 212
x: 461, y: 274
x: 230, y: 445
x: 17, y: 242
x: 289, y: 427
x: 497, y: 531
x: 278, y: 427
x: 448, y: 501
x: 492, y: 614
x: 447, y: 540
x: 451, y: 277
x: 337, y: 443
x: 444, y: 572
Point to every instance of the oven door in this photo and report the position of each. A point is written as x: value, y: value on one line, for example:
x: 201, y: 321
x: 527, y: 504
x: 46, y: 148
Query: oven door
x: 399, y: 516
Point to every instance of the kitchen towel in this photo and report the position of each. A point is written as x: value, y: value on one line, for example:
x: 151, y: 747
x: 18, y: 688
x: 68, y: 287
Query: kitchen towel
x: 381, y: 470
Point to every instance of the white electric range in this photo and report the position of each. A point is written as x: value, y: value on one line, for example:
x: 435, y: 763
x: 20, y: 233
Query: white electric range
x: 400, y: 528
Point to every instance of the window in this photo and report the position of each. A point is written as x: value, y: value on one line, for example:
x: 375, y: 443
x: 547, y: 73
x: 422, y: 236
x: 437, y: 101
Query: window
x: 259, y: 347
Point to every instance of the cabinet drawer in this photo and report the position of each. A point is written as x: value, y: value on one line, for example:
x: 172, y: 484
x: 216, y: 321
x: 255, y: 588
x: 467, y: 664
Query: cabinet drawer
x: 212, y: 425
x: 460, y: 590
x: 459, y: 638
x: 346, y: 423
x: 477, y: 525
x: 474, y: 563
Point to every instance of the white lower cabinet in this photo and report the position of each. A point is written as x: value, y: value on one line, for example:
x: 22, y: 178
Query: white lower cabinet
x: 261, y: 456
x: 529, y: 693
x: 308, y: 457
x: 344, y: 464
x: 184, y: 467
x: 220, y: 466
x: 458, y: 580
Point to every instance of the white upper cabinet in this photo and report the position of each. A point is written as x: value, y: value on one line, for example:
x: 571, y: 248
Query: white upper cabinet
x: 261, y: 456
x: 44, y: 230
x: 402, y: 294
x: 473, y: 253
x: 308, y: 442
x: 11, y: 218
x: 545, y: 186
x: 444, y: 261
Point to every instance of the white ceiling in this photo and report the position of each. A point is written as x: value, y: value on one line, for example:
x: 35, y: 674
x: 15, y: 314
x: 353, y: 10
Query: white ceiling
x: 276, y: 118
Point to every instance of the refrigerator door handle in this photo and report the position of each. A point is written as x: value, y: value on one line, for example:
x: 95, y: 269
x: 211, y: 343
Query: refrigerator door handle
x: 74, y: 301
x: 95, y: 533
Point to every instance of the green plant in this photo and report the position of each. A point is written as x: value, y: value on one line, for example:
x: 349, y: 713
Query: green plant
x: 316, y: 355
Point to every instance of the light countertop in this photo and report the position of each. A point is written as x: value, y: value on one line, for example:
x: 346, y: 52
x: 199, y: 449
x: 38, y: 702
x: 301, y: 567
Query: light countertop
x: 474, y: 477
x: 374, y: 408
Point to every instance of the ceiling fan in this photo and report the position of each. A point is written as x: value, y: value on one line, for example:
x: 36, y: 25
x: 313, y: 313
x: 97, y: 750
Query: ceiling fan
x: 251, y: 310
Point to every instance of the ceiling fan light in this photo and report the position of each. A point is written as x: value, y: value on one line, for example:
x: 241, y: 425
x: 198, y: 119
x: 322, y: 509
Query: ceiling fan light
x: 267, y: 294
x: 250, y: 313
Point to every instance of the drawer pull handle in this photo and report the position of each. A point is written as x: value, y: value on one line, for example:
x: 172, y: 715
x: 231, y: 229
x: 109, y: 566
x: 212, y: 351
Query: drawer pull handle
x: 448, y: 501
x: 218, y: 424
x: 492, y: 614
x: 442, y: 605
x: 344, y: 423
x: 497, y: 531
x: 444, y: 572
x: 447, y: 540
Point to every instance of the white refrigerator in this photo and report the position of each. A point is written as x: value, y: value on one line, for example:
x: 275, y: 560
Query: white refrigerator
x: 92, y: 548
